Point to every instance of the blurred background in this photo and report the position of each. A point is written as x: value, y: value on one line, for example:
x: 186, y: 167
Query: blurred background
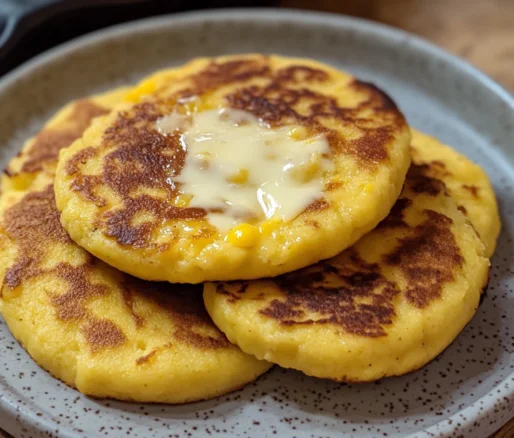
x: 481, y: 31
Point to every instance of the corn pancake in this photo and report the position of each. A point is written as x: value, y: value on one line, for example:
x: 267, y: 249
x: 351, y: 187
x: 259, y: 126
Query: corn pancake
x: 467, y: 183
x: 116, y: 200
x: 384, y: 307
x: 93, y: 327
x: 38, y: 157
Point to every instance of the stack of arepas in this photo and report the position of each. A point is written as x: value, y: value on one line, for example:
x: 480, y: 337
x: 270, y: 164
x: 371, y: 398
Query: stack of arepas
x: 170, y: 242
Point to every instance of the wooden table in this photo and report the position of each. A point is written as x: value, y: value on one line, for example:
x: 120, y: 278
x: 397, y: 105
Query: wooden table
x: 481, y: 31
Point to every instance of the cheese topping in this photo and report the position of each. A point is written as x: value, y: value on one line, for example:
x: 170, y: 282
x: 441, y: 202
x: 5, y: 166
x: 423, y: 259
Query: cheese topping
x: 241, y: 170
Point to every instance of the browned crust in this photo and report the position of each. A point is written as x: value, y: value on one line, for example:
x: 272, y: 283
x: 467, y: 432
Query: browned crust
x: 48, y: 143
x: 344, y: 379
x: 427, y: 259
x: 422, y: 182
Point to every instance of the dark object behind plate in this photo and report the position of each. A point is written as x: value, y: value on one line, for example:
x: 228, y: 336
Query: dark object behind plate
x: 28, y: 27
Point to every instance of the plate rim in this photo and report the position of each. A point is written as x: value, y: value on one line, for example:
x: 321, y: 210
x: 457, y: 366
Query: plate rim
x: 298, y: 17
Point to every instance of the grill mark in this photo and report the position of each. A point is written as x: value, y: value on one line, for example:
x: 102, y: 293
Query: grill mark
x: 73, y: 164
x: 86, y: 185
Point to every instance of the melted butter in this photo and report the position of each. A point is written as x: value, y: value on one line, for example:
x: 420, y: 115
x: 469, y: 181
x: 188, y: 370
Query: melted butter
x: 240, y: 170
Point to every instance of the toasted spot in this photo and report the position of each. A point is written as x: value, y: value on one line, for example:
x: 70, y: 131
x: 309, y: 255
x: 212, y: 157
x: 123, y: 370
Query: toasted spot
x: 102, y: 333
x: 70, y: 304
x: 185, y: 307
x: 333, y: 186
x: 119, y: 223
x: 79, y: 159
x: 395, y: 219
x: 472, y: 189
x: 313, y: 223
x: 49, y: 142
x: 358, y: 299
x: 319, y: 205
x: 422, y: 183
x: 370, y: 147
x: 217, y: 74
x: 232, y: 296
x: 33, y: 222
x: 427, y: 259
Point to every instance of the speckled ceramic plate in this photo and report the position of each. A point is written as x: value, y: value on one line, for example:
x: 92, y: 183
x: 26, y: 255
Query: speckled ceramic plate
x: 467, y: 391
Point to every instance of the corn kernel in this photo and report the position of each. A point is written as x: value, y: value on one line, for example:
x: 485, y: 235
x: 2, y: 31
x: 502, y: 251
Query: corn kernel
x: 267, y: 227
x: 144, y: 88
x: 243, y: 235
x: 193, y: 106
x: 240, y: 177
x: 183, y: 200
x: 306, y: 171
x: 298, y: 133
x: 368, y: 188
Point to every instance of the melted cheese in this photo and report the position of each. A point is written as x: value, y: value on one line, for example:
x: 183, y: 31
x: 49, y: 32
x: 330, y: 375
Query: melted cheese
x: 241, y: 170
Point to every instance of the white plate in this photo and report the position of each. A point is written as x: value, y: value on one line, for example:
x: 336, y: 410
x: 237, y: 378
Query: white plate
x: 467, y: 391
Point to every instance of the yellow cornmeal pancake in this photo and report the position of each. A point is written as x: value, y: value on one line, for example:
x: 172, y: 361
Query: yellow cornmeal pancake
x: 314, y: 159
x: 384, y: 307
x: 467, y: 183
x: 38, y: 157
x: 93, y: 327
